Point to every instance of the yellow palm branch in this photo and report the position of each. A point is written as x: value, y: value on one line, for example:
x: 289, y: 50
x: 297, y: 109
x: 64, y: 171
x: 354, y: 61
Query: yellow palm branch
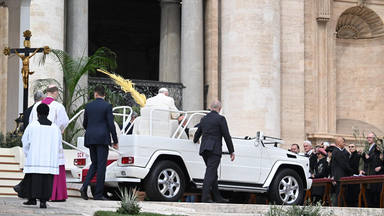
x: 127, y: 86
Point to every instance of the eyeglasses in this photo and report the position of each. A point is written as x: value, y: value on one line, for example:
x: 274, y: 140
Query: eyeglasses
x: 370, y: 137
x: 351, y: 146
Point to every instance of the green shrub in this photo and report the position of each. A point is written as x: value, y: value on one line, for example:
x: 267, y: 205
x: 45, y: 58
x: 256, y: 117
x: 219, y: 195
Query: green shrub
x: 10, y: 140
x: 129, y: 204
x: 309, y: 210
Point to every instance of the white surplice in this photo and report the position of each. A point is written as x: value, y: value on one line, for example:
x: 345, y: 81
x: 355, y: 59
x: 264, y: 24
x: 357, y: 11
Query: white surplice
x: 41, y: 146
x: 57, y: 115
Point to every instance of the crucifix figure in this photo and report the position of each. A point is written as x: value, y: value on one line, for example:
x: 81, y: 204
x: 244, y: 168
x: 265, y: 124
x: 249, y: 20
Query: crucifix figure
x: 23, y: 53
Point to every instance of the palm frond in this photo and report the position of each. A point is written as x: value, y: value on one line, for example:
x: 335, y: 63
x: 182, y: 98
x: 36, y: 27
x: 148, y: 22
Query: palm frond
x: 127, y: 86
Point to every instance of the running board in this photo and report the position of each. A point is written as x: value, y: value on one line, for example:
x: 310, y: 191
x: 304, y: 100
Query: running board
x: 233, y: 187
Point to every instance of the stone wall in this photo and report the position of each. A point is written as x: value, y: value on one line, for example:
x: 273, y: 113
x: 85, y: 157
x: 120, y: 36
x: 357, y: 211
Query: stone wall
x: 360, y: 89
x: 292, y: 72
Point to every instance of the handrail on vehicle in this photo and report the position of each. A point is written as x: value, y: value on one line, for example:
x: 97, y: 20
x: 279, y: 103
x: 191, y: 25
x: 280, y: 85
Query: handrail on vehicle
x: 172, y: 111
x: 126, y: 119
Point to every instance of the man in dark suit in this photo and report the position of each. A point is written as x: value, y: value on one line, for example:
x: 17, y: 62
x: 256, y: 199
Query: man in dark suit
x: 372, y: 166
x: 352, y: 192
x: 99, y: 125
x: 339, y: 165
x: 38, y: 96
x: 213, y: 127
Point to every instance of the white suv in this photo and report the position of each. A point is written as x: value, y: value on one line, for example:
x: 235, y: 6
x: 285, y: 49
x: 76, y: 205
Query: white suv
x: 160, y: 159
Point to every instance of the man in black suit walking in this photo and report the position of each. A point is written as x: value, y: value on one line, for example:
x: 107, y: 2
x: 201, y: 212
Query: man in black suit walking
x: 99, y: 125
x: 213, y: 127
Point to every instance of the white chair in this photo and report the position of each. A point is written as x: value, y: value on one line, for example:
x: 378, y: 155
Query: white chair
x: 162, y: 124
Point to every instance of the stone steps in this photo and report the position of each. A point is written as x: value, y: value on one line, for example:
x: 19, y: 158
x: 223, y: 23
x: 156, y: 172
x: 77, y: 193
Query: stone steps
x: 10, y: 172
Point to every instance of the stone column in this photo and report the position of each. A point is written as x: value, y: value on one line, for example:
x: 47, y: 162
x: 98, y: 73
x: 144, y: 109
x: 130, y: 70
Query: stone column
x: 325, y: 86
x: 169, y: 63
x: 3, y: 68
x: 211, y: 41
x: 192, y: 54
x: 77, y: 34
x: 18, y: 22
x: 250, y: 59
x: 77, y: 28
x: 47, y: 26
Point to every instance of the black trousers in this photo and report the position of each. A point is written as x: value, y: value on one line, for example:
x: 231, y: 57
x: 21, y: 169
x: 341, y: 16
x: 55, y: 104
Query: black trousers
x: 99, y: 156
x: 372, y: 194
x: 212, y: 162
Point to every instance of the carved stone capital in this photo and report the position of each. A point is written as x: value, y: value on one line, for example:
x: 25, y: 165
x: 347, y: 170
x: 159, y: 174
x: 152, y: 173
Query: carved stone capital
x: 323, y: 10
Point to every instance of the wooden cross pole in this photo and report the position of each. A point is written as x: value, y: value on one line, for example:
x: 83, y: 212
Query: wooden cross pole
x: 25, y: 54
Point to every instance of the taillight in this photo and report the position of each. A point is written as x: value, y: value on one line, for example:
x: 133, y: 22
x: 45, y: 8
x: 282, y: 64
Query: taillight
x: 79, y: 162
x: 127, y: 160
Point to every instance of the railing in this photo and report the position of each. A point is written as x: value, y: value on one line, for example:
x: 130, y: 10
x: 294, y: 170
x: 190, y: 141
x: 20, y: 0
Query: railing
x: 147, y: 87
x: 185, y: 113
x: 126, y: 119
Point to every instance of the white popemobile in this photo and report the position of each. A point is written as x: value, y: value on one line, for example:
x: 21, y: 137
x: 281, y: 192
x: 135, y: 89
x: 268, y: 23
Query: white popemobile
x: 163, y: 161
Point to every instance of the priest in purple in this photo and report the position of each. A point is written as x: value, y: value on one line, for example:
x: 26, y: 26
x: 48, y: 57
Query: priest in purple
x: 57, y: 115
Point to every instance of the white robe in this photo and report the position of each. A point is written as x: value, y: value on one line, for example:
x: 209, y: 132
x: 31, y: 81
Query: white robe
x: 161, y: 101
x: 41, y: 146
x: 57, y: 115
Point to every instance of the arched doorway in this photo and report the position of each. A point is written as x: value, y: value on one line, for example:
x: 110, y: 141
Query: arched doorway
x: 359, y: 67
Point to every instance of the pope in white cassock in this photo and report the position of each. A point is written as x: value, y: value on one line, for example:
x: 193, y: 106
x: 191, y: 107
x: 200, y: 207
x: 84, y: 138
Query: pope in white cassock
x: 59, y: 116
x: 162, y: 101
x: 41, y: 145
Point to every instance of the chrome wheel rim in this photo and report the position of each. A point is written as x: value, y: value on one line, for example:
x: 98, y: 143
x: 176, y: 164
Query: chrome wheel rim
x: 288, y: 190
x: 168, y: 183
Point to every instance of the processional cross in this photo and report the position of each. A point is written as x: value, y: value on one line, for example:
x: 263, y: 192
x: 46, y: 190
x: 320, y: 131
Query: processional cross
x: 24, y: 54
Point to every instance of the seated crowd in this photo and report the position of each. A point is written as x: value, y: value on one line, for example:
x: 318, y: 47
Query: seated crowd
x: 334, y: 161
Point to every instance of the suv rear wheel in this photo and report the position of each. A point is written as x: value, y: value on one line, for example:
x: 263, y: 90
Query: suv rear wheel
x: 287, y: 188
x: 166, y: 182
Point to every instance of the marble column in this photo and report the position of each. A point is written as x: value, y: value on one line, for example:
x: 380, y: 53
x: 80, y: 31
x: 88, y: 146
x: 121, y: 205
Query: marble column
x: 325, y: 86
x: 48, y: 29
x: 77, y: 35
x: 192, y: 54
x: 169, y: 63
x: 250, y: 60
x: 3, y: 68
x: 211, y: 49
x: 18, y: 22
x: 77, y: 28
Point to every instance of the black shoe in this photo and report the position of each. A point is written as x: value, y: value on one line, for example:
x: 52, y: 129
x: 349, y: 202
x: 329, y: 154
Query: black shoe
x: 222, y: 200
x: 100, y: 198
x: 30, y: 202
x: 207, y: 201
x: 43, y: 205
x: 83, y: 194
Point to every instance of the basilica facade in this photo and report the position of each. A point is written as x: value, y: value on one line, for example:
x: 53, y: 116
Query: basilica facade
x: 295, y: 69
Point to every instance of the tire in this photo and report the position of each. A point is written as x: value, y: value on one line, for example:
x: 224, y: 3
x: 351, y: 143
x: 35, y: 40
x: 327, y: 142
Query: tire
x: 286, y: 188
x: 166, y: 182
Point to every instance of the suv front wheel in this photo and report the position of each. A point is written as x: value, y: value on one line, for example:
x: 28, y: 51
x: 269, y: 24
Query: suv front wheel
x: 287, y: 188
x: 166, y: 182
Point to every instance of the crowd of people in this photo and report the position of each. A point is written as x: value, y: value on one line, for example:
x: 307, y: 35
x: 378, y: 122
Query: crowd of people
x: 335, y: 161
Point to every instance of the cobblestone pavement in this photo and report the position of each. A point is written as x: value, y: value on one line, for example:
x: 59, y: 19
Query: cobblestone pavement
x: 11, y: 206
